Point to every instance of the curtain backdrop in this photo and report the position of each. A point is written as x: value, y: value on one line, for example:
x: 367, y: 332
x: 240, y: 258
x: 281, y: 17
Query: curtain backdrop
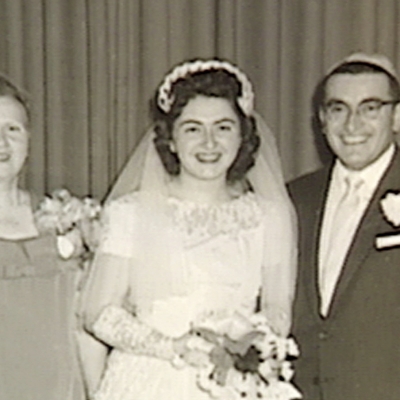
x: 90, y: 67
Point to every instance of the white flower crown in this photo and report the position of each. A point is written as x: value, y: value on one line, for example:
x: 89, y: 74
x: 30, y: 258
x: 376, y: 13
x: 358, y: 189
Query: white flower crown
x: 165, y: 98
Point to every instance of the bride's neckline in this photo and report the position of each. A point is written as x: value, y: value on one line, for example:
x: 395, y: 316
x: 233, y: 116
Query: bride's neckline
x: 226, y: 195
x: 200, y: 221
x: 222, y: 204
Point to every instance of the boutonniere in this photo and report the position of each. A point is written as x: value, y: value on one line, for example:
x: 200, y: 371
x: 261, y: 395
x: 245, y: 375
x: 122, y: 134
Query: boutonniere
x: 390, y: 207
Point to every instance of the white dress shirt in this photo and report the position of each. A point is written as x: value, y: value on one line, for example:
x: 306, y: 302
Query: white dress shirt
x: 328, y: 274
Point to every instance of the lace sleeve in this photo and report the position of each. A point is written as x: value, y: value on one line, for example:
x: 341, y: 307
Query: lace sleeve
x: 279, y: 267
x: 120, y: 329
x: 106, y: 304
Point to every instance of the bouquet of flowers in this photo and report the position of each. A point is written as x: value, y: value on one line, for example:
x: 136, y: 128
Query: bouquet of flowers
x: 247, y: 359
x: 76, y: 222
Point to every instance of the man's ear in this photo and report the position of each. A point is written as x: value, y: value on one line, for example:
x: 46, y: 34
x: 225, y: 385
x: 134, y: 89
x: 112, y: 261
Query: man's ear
x: 322, y: 119
x: 172, y: 147
x: 396, y: 118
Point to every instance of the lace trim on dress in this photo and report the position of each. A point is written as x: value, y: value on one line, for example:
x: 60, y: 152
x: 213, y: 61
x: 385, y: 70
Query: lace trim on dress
x: 118, y: 328
x: 201, y: 221
x: 195, y: 222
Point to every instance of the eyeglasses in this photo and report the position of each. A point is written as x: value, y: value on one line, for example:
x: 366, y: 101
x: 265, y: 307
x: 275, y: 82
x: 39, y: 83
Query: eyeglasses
x: 339, y: 111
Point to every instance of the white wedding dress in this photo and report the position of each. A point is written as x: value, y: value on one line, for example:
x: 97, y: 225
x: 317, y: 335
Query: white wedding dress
x: 228, y: 252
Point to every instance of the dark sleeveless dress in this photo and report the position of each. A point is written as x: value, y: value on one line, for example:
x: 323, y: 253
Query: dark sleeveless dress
x: 38, y: 358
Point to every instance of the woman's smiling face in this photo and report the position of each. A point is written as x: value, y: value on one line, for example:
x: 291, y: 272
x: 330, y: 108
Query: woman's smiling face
x: 14, y: 137
x: 206, y: 137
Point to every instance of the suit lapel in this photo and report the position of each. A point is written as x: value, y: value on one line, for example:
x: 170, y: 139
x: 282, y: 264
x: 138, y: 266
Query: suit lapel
x: 371, y: 224
x: 314, y: 219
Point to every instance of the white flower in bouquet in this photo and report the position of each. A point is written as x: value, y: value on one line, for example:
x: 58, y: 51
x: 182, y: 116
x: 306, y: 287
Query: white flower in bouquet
x: 242, y: 384
x: 281, y: 348
x: 210, y: 386
x: 287, y: 371
x: 91, y: 207
x: 47, y: 215
x: 292, y: 348
x: 390, y: 205
x: 71, y: 215
x: 266, y: 347
x: 279, y: 390
x: 268, y: 370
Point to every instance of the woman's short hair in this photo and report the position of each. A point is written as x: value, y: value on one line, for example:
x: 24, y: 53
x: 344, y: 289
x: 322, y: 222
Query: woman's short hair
x: 7, y: 88
x: 210, y: 83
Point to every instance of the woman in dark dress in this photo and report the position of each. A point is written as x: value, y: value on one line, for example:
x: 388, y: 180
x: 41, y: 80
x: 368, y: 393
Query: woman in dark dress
x: 37, y: 288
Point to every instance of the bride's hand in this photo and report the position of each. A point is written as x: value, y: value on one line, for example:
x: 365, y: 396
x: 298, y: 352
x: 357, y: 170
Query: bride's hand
x: 192, y: 349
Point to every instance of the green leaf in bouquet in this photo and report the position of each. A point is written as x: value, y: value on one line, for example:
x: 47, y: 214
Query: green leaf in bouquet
x: 223, y: 362
x: 249, y: 362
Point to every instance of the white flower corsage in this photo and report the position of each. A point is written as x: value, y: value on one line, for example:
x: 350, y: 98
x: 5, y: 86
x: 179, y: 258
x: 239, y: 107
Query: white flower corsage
x: 390, y: 206
x: 76, y: 222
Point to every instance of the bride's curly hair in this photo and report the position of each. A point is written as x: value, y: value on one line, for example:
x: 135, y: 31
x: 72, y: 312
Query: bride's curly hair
x: 210, y: 83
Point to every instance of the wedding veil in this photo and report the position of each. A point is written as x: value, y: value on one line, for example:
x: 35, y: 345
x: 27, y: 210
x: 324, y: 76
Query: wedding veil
x: 145, y: 174
x: 144, y: 170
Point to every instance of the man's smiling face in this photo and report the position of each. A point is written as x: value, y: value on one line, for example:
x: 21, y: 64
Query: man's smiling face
x: 358, y: 139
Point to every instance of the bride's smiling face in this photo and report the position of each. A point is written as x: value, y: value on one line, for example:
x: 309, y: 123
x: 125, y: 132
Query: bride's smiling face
x: 206, y: 138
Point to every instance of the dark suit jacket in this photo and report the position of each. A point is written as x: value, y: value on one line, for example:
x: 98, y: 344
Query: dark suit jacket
x: 354, y: 352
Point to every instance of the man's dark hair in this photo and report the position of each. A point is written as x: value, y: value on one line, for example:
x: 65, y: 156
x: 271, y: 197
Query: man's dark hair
x: 318, y: 99
x: 355, y: 68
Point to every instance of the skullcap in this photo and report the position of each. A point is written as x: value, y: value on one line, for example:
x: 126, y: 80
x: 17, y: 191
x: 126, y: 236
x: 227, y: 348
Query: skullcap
x: 376, y: 59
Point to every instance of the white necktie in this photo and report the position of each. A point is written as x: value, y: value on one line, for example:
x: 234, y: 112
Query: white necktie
x: 344, y: 224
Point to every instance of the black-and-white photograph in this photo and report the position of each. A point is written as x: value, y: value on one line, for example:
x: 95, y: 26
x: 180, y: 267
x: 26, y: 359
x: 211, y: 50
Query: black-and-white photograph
x: 199, y: 199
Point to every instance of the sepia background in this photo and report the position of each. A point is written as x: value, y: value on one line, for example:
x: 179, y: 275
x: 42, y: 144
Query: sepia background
x: 90, y: 67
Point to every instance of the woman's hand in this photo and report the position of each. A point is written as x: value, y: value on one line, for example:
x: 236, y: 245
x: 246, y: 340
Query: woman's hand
x: 192, y: 349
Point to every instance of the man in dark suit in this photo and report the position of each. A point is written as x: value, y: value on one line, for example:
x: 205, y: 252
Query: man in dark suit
x: 347, y: 306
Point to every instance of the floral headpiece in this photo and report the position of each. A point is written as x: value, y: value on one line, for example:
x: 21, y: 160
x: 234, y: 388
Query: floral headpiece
x: 165, y: 98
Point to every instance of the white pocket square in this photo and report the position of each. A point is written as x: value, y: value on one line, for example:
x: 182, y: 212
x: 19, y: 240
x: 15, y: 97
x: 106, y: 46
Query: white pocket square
x: 386, y: 241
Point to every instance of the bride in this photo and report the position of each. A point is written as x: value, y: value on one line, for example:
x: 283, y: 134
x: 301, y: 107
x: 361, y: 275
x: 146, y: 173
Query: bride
x: 199, y: 223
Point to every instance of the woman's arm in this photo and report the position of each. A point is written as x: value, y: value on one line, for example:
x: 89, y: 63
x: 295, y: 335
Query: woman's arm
x: 107, y: 318
x: 106, y: 305
x: 280, y: 266
x: 107, y: 284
